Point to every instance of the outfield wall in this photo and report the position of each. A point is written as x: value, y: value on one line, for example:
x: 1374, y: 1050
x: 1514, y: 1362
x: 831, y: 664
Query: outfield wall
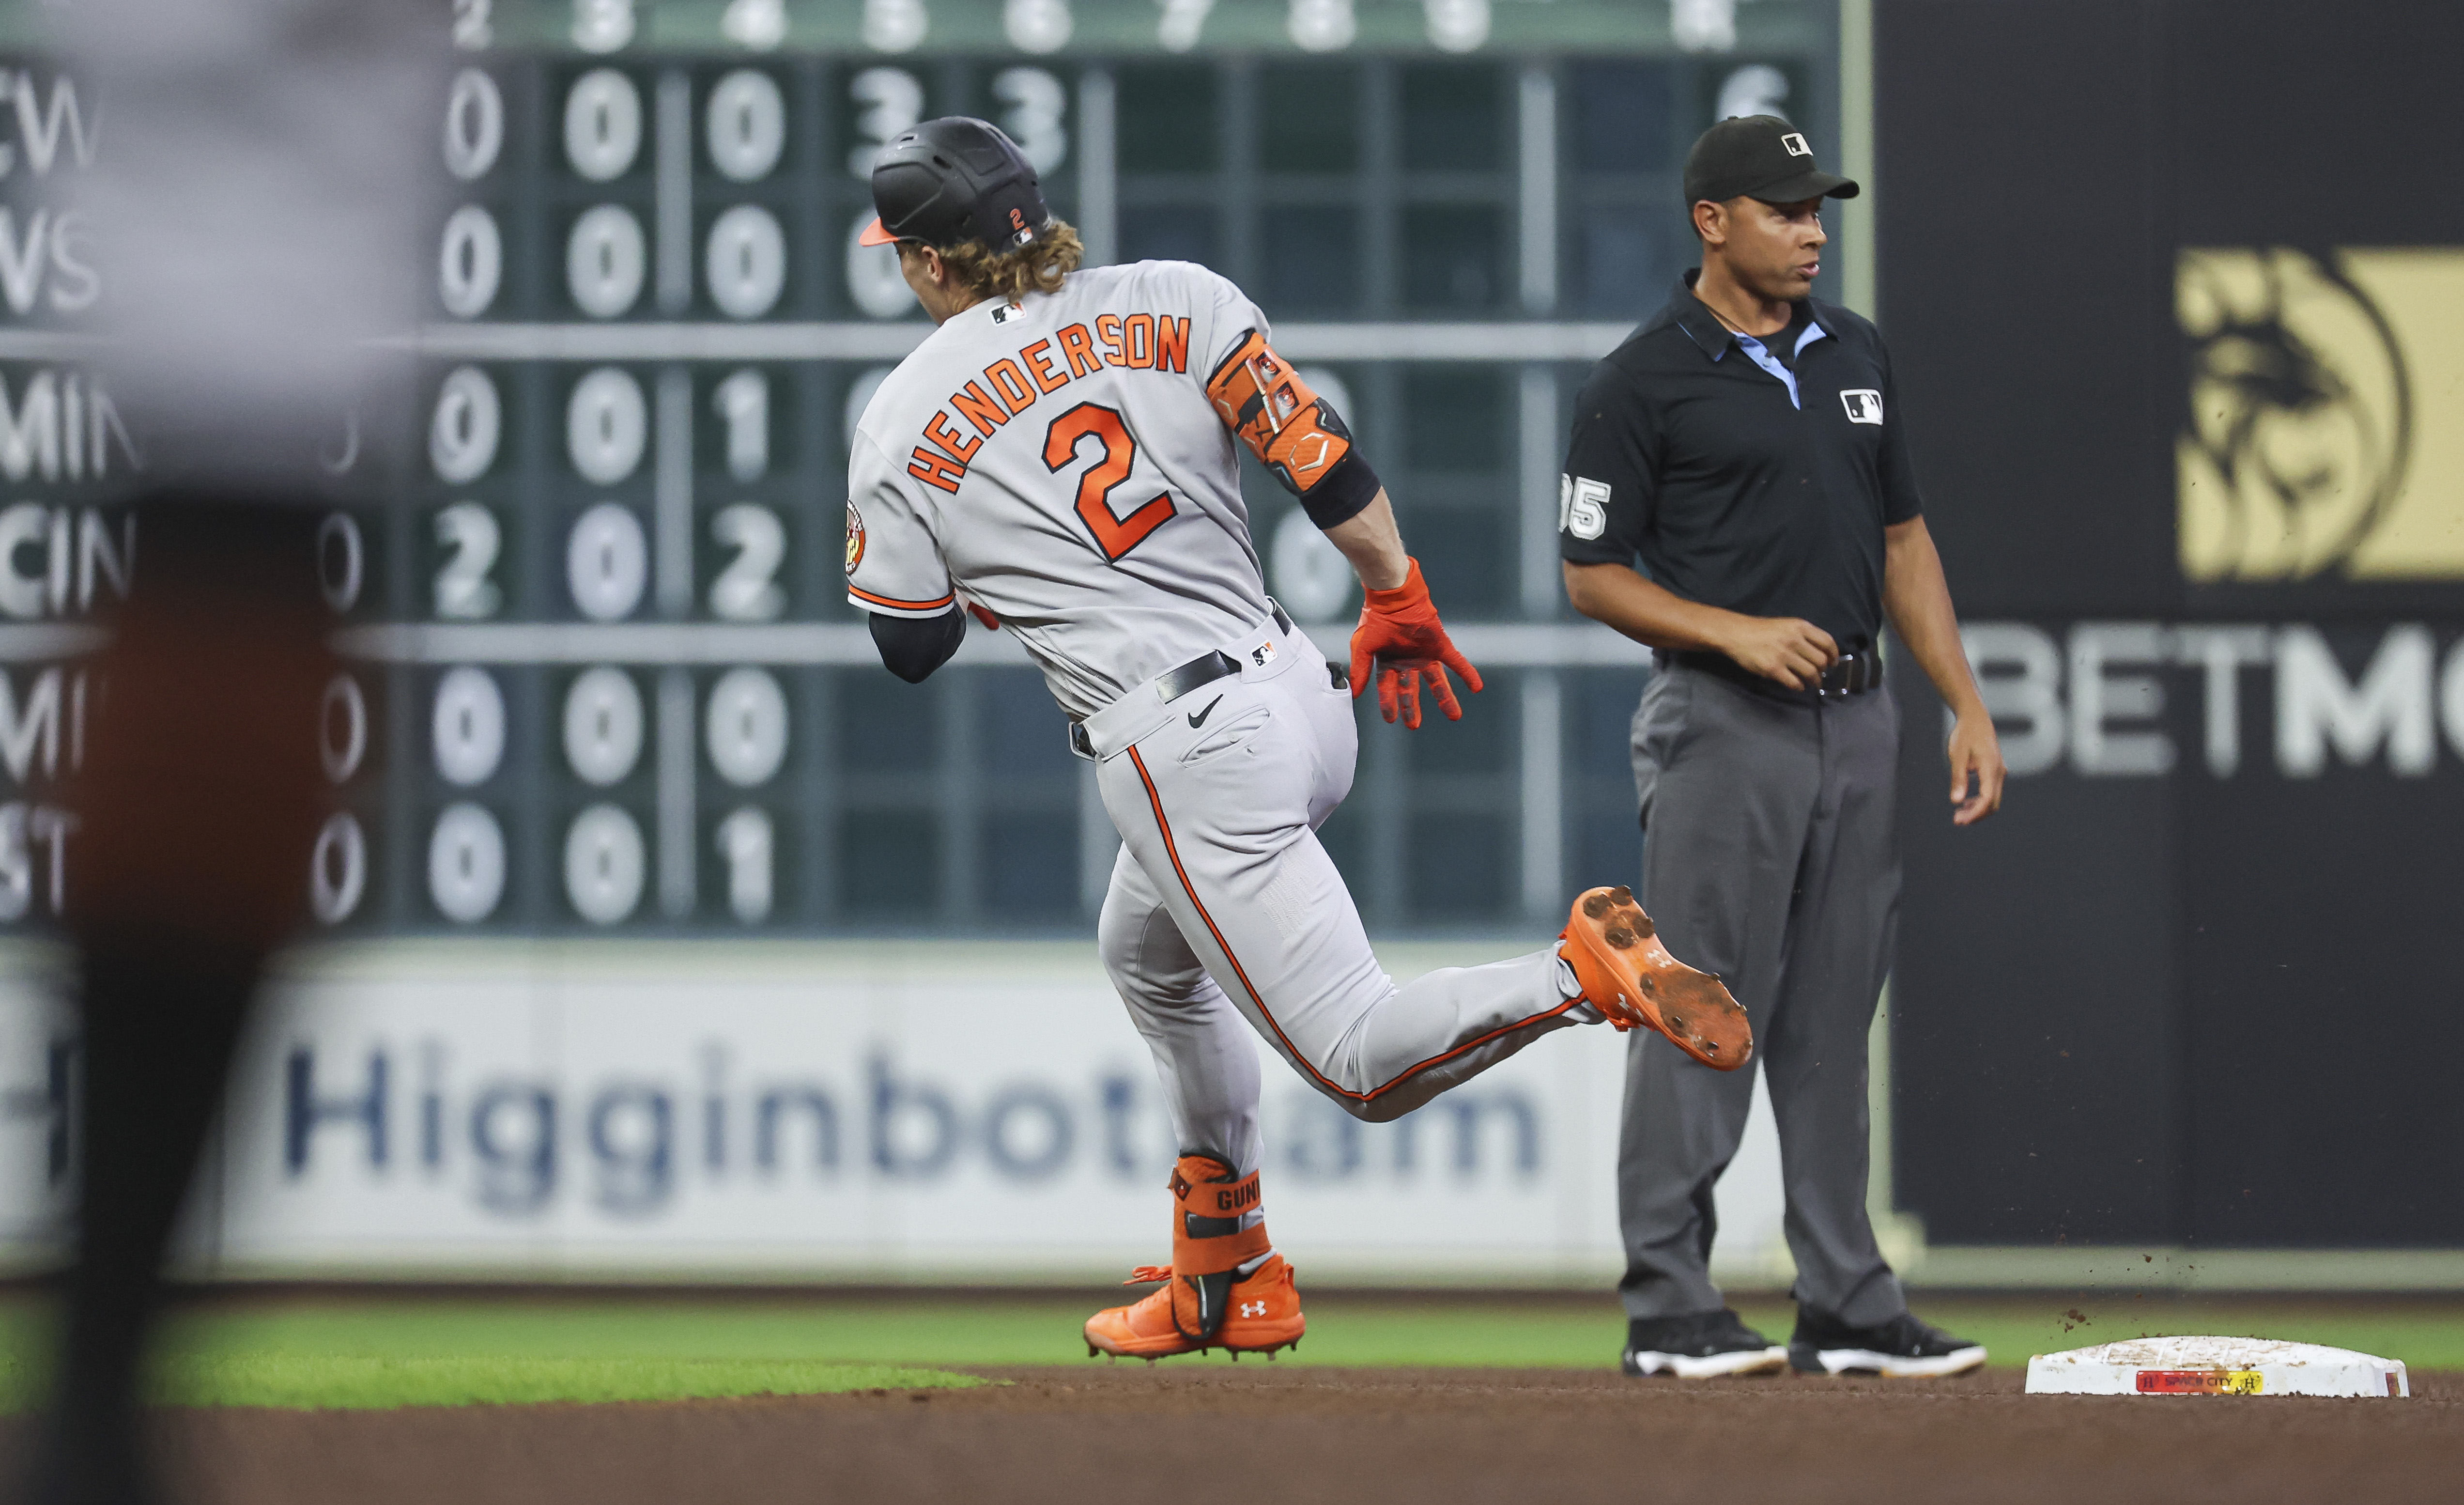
x: 873, y: 1112
x: 2193, y: 988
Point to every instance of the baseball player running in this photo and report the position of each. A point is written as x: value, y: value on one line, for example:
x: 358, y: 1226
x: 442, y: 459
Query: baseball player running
x: 1059, y: 457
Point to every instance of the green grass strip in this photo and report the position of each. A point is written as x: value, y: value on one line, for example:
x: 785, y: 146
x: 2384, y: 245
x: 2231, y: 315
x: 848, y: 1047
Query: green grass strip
x: 381, y: 1350
x: 291, y: 1381
x: 360, y: 1382
x: 1034, y: 1329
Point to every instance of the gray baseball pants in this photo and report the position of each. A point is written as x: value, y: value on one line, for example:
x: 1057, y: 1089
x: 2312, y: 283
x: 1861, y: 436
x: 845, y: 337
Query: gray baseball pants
x: 1226, y: 916
x: 1768, y: 858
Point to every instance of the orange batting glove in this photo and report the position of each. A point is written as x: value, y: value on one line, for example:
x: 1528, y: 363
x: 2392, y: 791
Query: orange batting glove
x: 1399, y: 632
x: 984, y: 616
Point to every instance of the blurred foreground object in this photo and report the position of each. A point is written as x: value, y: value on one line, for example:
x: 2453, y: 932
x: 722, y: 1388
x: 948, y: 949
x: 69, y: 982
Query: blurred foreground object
x: 257, y: 205
x: 199, y: 798
x: 255, y: 211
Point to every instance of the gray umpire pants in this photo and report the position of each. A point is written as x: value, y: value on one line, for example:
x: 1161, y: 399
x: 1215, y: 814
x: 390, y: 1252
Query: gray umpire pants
x: 1768, y: 858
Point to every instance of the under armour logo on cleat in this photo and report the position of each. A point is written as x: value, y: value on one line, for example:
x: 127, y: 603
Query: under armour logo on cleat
x: 1253, y: 1309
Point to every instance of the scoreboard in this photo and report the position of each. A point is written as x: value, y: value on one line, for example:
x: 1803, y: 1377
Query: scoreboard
x: 603, y: 679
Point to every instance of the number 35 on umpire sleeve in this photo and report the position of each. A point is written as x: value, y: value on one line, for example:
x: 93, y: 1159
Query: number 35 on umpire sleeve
x: 1582, y: 506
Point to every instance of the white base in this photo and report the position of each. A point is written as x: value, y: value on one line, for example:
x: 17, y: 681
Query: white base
x: 2215, y: 1366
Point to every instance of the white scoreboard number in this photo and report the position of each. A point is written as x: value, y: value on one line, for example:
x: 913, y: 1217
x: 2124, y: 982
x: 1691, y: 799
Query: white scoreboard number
x: 672, y: 495
x: 678, y: 485
x: 681, y: 493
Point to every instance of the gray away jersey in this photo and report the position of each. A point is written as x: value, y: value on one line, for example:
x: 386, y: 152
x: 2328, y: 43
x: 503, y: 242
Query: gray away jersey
x: 1056, y: 461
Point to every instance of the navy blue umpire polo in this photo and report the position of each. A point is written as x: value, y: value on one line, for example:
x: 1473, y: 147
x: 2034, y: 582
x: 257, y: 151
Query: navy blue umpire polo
x: 1753, y: 474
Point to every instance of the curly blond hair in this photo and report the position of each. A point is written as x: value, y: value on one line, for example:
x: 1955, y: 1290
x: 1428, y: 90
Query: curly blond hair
x: 1037, y: 267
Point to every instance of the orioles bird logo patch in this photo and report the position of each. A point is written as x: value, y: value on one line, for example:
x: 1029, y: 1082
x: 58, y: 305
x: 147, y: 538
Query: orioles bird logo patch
x: 854, y: 538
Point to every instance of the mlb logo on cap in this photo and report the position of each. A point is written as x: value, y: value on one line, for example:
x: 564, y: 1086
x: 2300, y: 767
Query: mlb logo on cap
x: 1760, y: 155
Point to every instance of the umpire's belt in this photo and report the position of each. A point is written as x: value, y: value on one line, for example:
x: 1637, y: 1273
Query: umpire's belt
x: 1264, y: 652
x: 1858, y: 670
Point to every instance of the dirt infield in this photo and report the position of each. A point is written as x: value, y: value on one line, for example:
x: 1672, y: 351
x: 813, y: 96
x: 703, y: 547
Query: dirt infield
x: 1203, y: 1432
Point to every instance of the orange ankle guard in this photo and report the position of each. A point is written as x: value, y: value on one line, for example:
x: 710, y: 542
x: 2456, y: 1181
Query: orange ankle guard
x: 1207, y: 1204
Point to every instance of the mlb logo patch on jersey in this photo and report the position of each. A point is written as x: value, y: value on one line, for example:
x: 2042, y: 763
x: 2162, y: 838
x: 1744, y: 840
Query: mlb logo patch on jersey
x: 1864, y: 405
x: 1007, y: 312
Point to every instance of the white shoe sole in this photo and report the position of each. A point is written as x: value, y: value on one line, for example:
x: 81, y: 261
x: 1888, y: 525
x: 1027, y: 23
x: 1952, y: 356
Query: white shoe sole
x: 1900, y: 1366
x: 1708, y: 1366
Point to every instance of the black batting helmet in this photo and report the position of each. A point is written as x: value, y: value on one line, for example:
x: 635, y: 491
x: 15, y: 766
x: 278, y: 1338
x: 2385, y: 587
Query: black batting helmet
x: 954, y: 180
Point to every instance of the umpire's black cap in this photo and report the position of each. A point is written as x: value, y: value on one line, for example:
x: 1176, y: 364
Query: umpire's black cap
x: 954, y: 180
x: 1758, y: 156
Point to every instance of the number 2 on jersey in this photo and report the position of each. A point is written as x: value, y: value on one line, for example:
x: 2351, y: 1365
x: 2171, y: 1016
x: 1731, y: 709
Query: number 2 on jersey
x: 1114, y: 535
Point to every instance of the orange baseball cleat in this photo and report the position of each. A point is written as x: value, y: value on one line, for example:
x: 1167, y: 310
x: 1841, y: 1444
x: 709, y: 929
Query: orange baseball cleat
x: 1205, y: 1301
x: 1629, y: 976
x: 1261, y: 1315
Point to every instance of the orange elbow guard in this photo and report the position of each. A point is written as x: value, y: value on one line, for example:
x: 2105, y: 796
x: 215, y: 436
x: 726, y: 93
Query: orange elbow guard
x: 1289, y: 428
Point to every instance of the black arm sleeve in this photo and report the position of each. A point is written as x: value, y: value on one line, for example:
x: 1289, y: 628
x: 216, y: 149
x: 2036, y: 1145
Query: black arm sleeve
x: 1343, y: 493
x: 911, y: 648
x: 1606, y: 494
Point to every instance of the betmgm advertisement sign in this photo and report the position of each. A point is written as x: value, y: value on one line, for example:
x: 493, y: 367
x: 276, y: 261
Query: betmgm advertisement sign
x: 2191, y: 444
x: 2319, y: 441
x: 2250, y: 780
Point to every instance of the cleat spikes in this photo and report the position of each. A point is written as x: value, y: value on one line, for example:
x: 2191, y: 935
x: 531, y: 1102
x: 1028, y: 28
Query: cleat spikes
x: 1253, y: 1316
x: 1628, y: 975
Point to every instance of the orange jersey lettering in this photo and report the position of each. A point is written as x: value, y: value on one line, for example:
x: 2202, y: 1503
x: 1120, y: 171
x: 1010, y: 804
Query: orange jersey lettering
x: 961, y: 447
x: 1171, y: 343
x: 977, y: 406
x: 934, y: 469
x: 1080, y: 347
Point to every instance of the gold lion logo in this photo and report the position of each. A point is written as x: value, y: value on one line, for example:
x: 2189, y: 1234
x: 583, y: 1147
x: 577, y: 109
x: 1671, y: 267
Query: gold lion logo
x: 2300, y: 432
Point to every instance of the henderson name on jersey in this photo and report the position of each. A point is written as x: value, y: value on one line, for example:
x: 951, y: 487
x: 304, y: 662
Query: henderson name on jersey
x: 1057, y: 460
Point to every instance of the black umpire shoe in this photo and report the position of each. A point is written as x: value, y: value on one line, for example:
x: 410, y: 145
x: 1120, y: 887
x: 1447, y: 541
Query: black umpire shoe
x: 1698, y: 1346
x: 1901, y: 1348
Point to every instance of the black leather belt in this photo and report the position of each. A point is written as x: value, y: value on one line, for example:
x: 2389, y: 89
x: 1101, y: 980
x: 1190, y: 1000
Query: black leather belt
x: 1858, y: 670
x: 1207, y: 668
x: 1173, y: 684
x: 1203, y: 670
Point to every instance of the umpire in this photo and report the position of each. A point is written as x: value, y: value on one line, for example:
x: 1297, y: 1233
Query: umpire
x: 1747, y: 444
